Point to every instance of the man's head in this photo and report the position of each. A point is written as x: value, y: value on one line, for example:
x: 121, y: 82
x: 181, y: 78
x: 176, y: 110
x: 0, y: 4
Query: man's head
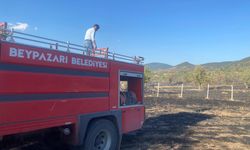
x: 3, y: 25
x: 96, y: 26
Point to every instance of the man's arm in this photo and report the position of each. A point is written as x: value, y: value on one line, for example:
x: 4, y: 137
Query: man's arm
x: 93, y: 40
x: 94, y: 44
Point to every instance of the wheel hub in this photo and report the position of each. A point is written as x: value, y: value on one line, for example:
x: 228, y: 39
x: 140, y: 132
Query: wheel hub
x: 102, y: 141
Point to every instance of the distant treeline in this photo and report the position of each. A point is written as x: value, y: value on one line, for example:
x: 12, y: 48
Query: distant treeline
x: 200, y: 76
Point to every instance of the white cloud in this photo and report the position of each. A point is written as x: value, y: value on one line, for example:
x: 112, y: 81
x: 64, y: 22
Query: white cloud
x: 20, y: 26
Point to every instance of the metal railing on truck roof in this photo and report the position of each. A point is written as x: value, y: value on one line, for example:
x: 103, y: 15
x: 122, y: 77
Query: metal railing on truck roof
x: 33, y: 40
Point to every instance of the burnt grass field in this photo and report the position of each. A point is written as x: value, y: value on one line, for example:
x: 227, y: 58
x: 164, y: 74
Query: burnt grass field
x: 187, y: 123
x: 192, y: 124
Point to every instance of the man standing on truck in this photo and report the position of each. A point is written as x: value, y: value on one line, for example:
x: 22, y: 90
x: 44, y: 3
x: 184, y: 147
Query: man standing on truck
x: 5, y: 33
x: 89, y: 40
x: 3, y: 30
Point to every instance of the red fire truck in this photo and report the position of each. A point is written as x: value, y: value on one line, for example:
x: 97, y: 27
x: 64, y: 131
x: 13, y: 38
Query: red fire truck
x: 49, y: 85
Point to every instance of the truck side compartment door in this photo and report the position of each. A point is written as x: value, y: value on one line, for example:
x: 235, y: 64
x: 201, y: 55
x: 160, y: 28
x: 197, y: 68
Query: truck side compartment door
x: 131, y: 100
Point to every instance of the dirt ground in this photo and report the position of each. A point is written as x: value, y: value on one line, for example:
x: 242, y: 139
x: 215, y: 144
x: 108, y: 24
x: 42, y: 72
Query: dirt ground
x: 192, y: 124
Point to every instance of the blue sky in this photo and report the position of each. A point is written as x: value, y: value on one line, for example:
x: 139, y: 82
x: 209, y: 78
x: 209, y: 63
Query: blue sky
x: 167, y: 31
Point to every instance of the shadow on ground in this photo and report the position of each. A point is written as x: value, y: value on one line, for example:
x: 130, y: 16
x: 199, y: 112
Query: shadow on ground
x: 170, y: 130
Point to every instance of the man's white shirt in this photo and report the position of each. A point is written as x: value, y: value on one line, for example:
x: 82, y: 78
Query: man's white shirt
x: 90, y: 34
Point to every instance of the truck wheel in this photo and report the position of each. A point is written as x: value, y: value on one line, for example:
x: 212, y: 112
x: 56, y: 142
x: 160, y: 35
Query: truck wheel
x: 102, y: 135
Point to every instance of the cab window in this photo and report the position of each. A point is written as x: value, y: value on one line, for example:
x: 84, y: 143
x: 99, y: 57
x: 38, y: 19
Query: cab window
x: 131, y: 91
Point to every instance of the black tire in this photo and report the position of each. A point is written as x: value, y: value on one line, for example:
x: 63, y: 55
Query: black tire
x: 102, y: 135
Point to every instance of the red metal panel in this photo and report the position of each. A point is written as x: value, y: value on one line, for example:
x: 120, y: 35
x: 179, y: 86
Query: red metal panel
x: 16, y: 53
x: 22, y: 127
x: 132, y: 118
x: 26, y: 82
x: 22, y: 116
x: 16, y: 113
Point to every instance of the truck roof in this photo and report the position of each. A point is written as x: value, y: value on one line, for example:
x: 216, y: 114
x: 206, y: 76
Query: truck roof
x: 21, y: 38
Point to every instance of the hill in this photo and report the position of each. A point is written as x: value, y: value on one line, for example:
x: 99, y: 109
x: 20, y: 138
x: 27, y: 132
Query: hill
x: 217, y: 65
x: 185, y: 65
x: 220, y: 73
x: 210, y: 66
x: 158, y: 66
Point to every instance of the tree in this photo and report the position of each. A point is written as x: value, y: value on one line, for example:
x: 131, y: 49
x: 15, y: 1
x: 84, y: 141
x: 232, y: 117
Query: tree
x: 188, y: 77
x: 246, y: 78
x: 147, y: 75
x: 199, y: 76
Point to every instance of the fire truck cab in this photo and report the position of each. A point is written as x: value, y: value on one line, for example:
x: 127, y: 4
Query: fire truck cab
x: 50, y: 86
